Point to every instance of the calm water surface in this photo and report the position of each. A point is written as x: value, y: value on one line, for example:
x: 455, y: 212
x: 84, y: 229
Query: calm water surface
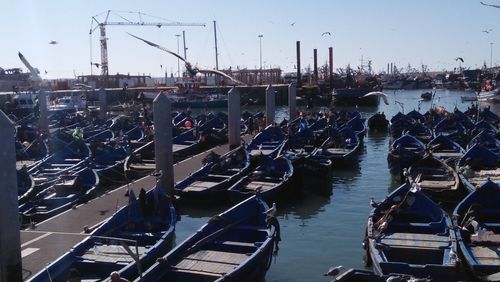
x: 321, y: 231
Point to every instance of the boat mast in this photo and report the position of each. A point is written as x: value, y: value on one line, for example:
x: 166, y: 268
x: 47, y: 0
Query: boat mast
x: 216, y: 55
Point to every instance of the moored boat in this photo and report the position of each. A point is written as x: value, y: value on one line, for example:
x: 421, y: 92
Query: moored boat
x: 138, y: 233
x: 477, y: 219
x: 408, y: 233
x: 235, y: 245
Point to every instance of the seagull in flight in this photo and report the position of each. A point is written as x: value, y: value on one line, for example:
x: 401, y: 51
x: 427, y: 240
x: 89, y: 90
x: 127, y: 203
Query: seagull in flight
x: 326, y: 33
x: 192, y: 70
x: 292, y: 24
x: 271, y: 212
x: 459, y: 59
x: 487, y: 31
x: 333, y: 271
x: 491, y: 5
x: 53, y: 42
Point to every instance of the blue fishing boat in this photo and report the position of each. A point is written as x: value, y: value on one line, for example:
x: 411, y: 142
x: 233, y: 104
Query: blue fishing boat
x: 272, y: 180
x: 444, y: 148
x: 420, y: 131
x: 486, y: 140
x: 399, y: 123
x: 408, y: 233
x: 267, y: 142
x: 357, y: 124
x: 210, y: 182
x: 25, y: 185
x: 69, y: 157
x: 235, y: 245
x: 416, y: 116
x: 354, y: 97
x: 437, y: 179
x: 403, y: 152
x: 128, y: 242
x: 107, y: 160
x: 477, y: 219
x: 378, y: 122
x: 67, y: 191
x: 341, y: 147
x: 476, y: 165
x: 483, y: 125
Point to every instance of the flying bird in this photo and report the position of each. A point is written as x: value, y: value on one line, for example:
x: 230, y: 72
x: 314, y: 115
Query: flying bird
x: 192, y: 70
x: 459, y: 59
x: 53, y: 42
x: 485, y: 31
x: 380, y: 94
x: 292, y: 24
x: 491, y: 5
x: 326, y: 33
x: 271, y: 211
x: 333, y: 271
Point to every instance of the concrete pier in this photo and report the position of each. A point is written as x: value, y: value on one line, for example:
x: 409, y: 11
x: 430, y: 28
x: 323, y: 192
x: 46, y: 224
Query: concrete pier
x: 234, y: 117
x: 292, y: 101
x: 10, y: 240
x: 43, y: 120
x: 103, y: 103
x: 164, y: 158
x: 270, y: 105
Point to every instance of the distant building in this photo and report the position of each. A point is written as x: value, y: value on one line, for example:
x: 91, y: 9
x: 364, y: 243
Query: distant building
x: 256, y: 76
x: 116, y: 81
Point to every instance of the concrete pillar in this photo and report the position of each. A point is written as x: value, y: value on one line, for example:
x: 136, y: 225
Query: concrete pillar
x: 299, y: 75
x: 270, y: 105
x: 234, y: 117
x: 164, y: 158
x: 10, y: 238
x: 330, y: 73
x: 103, y: 108
x: 315, y: 56
x: 292, y: 102
x: 43, y: 121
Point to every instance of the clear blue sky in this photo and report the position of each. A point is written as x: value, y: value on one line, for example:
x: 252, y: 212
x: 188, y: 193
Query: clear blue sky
x: 433, y: 32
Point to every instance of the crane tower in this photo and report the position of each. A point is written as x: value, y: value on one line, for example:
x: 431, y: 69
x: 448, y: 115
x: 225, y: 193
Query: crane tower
x: 95, y: 23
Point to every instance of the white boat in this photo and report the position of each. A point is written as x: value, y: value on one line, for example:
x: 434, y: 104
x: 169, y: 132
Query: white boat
x: 489, y: 96
x: 76, y: 102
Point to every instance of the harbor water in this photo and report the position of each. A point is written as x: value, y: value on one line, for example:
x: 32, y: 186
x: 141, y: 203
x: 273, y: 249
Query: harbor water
x: 320, y: 230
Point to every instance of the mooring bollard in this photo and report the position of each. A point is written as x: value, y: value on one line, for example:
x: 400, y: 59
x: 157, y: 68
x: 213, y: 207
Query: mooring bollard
x: 164, y: 159
x: 103, y: 104
x: 43, y: 119
x: 270, y: 105
x: 234, y: 117
x: 10, y: 238
x: 292, y: 101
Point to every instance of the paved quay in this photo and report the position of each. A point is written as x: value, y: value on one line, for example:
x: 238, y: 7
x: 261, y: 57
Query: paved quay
x: 50, y: 239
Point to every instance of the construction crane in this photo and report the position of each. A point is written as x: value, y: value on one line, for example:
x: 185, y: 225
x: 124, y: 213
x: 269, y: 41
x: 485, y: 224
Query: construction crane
x: 95, y: 23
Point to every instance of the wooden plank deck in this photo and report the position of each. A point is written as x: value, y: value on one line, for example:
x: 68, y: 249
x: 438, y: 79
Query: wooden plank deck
x: 212, y: 261
x: 487, y: 254
x: 415, y: 240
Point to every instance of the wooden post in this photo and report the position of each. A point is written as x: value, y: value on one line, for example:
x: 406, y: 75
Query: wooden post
x: 315, y: 57
x: 42, y: 102
x: 270, y: 105
x: 234, y: 117
x: 330, y: 76
x: 103, y: 103
x: 10, y: 238
x: 299, y: 76
x: 292, y: 101
x: 164, y: 158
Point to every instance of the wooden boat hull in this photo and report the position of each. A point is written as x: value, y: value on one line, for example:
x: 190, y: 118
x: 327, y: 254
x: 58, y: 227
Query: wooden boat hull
x: 97, y: 256
x: 408, y: 233
x: 237, y: 244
